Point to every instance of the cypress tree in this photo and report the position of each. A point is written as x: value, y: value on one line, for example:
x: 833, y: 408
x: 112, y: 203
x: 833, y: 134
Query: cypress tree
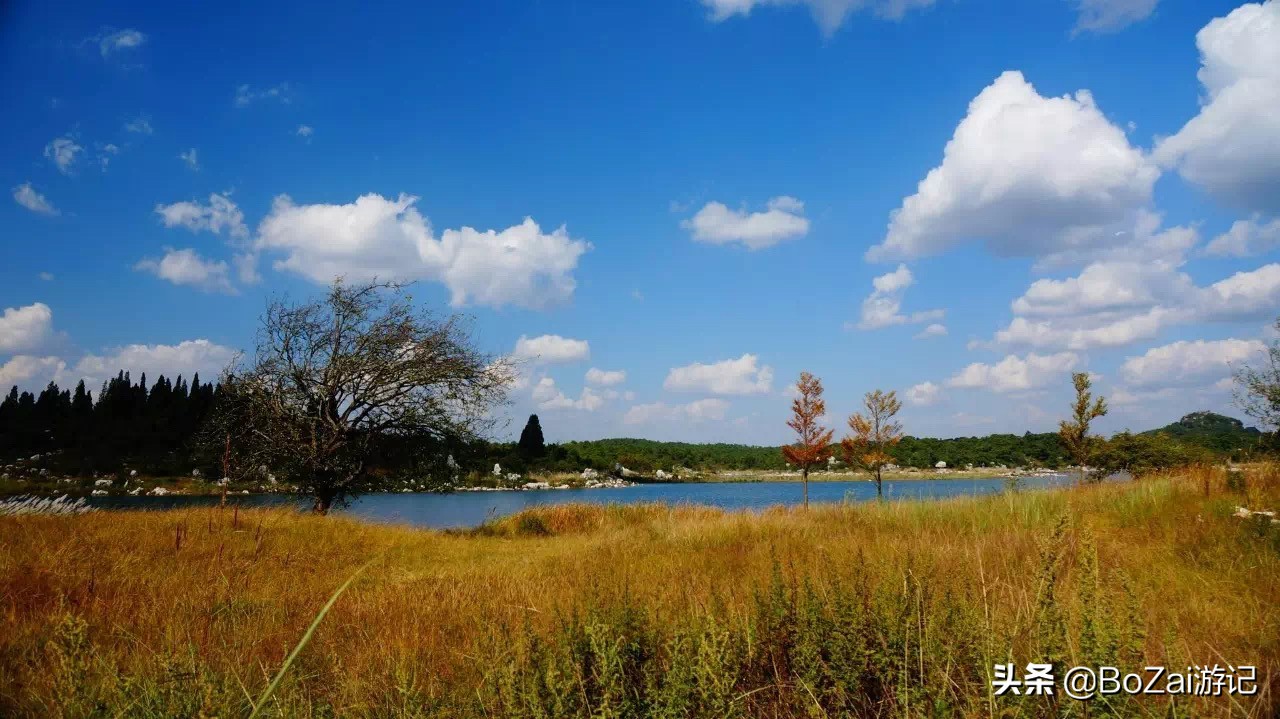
x: 531, y: 440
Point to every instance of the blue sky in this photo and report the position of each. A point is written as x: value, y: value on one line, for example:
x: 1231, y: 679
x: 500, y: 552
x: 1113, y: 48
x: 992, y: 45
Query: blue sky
x: 963, y: 200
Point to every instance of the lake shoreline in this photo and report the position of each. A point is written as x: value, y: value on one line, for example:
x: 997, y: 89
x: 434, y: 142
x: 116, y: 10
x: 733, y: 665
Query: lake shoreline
x: 195, y: 487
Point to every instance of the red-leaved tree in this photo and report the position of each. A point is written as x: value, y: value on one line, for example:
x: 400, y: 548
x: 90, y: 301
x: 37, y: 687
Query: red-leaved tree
x: 813, y: 445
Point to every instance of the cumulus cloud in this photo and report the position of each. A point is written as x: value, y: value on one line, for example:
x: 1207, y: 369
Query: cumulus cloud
x: 25, y: 328
x: 26, y: 196
x: 381, y: 237
x: 882, y: 308
x: 1110, y: 15
x: 549, y: 397
x: 187, y: 267
x: 305, y: 131
x: 1014, y: 373
x: 923, y: 394
x: 1028, y: 176
x: 247, y: 94
x: 63, y: 153
x: 30, y: 371
x: 184, y: 358
x: 551, y: 349
x: 1247, y: 238
x: 715, y: 224
x: 828, y: 14
x: 1117, y: 302
x: 701, y: 410
x: 1232, y: 147
x: 219, y: 215
x: 1182, y: 363
x: 605, y: 378
x: 727, y: 377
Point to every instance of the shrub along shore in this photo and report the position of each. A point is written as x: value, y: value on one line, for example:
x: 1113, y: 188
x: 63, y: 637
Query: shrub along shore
x: 874, y: 609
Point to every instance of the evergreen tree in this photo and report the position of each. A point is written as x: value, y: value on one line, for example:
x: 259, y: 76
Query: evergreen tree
x: 531, y: 442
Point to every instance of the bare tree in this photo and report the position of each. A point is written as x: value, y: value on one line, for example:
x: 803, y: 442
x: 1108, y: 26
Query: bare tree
x: 813, y: 444
x: 344, y: 388
x: 1257, y: 387
x: 874, y: 434
x: 1075, y: 431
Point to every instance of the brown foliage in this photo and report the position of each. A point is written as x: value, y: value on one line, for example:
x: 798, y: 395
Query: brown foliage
x: 873, y: 434
x: 813, y: 445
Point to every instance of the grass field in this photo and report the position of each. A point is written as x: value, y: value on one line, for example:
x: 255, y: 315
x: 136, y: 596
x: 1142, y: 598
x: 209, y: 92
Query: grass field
x: 890, y: 610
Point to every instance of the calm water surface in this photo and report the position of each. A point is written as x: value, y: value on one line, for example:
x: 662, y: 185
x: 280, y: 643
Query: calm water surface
x: 469, y: 509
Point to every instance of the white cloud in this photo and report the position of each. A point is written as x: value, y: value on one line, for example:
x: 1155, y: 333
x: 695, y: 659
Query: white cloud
x: 139, y: 125
x: 829, y: 14
x: 1014, y: 373
x: 46, y: 276
x: 1111, y: 15
x: 305, y: 131
x: 26, y: 196
x: 105, y: 153
x: 186, y: 267
x: 882, y: 308
x: 1247, y: 238
x: 551, y: 349
x: 715, y: 224
x: 1183, y: 362
x: 184, y: 358
x: 220, y: 214
x: 191, y: 158
x: 923, y: 394
x: 246, y: 266
x: 246, y: 94
x: 1232, y: 147
x: 112, y: 42
x: 1112, y: 304
x: 699, y: 411
x: 29, y: 371
x: 63, y: 152
x: 380, y: 237
x: 605, y: 378
x: 549, y: 397
x: 1244, y: 295
x: 731, y: 376
x: 25, y: 328
x: 933, y: 330
x: 1026, y: 174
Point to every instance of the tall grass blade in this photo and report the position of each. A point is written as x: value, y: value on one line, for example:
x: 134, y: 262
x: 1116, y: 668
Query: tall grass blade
x: 306, y: 637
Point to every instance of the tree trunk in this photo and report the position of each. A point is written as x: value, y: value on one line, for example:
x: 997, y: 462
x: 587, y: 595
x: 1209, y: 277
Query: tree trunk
x: 324, y: 500
x: 804, y: 477
x: 879, y: 490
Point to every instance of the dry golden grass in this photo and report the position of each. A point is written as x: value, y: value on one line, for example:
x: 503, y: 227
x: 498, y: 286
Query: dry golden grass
x: 190, y: 612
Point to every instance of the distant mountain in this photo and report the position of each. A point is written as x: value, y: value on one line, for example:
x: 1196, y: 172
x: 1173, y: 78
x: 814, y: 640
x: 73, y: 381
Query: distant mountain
x: 1211, y: 431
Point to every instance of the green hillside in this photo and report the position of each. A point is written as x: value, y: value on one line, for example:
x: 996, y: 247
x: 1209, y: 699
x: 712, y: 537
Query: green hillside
x: 1221, y: 434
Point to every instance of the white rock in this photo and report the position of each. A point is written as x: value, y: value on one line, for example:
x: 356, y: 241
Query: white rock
x: 98, y: 492
x: 103, y: 483
x: 158, y: 492
x: 133, y: 473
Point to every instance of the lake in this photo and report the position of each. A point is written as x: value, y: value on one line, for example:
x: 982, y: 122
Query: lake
x: 469, y: 509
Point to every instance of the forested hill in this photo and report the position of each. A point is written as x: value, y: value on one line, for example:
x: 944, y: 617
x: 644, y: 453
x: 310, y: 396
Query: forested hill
x: 643, y: 455
x: 1212, y: 431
